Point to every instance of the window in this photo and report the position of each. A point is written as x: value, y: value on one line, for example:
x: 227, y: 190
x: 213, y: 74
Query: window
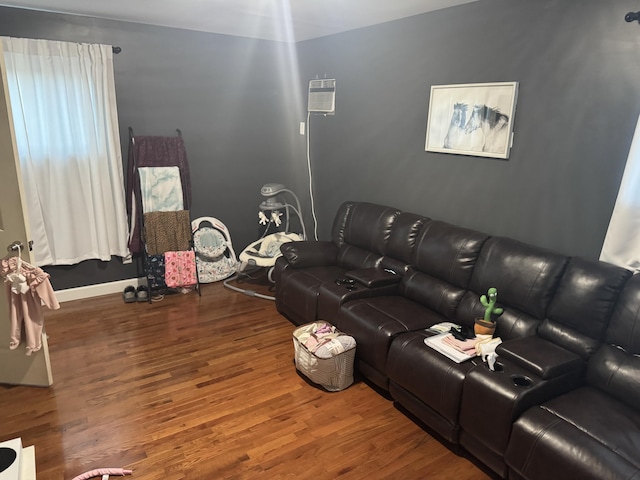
x: 621, y: 245
x: 65, y: 118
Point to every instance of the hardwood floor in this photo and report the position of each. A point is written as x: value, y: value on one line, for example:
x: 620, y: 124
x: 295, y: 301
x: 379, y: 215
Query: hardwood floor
x: 205, y: 388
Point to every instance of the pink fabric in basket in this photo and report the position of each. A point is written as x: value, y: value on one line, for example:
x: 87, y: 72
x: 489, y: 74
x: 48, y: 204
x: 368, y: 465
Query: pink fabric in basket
x: 180, y: 269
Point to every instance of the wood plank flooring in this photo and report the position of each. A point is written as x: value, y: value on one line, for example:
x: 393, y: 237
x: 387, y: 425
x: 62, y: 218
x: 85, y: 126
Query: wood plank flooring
x: 204, y: 387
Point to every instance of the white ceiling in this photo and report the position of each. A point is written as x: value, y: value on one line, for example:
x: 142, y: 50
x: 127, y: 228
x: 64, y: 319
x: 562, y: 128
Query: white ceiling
x: 282, y: 20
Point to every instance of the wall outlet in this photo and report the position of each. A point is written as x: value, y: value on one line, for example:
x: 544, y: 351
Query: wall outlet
x: 302, y: 127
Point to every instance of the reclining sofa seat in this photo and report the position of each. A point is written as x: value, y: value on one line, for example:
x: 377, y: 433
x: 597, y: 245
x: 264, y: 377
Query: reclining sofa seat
x: 548, y: 363
x: 359, y: 236
x: 591, y: 432
x: 429, y: 293
x: 430, y: 385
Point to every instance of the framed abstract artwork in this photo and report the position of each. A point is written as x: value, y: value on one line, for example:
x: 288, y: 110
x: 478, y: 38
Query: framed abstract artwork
x: 472, y: 119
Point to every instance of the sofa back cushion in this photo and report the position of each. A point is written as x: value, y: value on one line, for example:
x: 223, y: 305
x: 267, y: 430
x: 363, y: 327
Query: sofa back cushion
x: 448, y: 252
x: 582, y: 306
x: 364, y: 225
x: 525, y: 277
x: 624, y: 328
x: 615, y: 367
x: 361, y: 231
x: 443, y: 260
x: 617, y: 373
x: 398, y: 252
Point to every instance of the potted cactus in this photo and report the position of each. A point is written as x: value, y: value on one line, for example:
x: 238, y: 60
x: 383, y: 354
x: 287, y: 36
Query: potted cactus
x: 487, y: 325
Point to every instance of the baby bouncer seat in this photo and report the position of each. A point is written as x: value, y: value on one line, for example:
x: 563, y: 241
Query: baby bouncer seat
x: 215, y: 257
x: 263, y: 253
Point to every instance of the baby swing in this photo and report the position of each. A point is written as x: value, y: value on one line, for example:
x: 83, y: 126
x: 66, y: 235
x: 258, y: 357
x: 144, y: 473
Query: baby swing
x: 263, y: 253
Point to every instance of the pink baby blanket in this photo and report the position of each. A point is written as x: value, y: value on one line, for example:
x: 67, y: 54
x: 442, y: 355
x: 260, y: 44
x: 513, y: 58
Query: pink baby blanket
x: 180, y: 269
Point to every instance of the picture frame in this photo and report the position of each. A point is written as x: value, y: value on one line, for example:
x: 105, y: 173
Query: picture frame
x: 472, y: 119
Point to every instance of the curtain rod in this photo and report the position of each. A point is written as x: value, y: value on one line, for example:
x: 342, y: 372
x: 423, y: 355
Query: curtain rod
x: 116, y: 50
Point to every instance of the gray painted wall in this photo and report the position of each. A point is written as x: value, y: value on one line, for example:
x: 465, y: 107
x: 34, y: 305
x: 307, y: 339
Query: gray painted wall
x: 577, y: 63
x: 228, y: 95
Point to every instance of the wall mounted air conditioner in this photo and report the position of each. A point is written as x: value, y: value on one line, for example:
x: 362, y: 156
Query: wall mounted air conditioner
x: 322, y: 96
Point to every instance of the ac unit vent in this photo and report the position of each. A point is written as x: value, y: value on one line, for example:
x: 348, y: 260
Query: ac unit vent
x: 322, y: 95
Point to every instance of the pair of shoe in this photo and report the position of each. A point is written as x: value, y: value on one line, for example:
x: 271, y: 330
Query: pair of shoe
x: 132, y: 294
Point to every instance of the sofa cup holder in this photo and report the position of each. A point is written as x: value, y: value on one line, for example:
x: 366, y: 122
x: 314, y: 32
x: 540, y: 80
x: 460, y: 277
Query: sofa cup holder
x: 348, y: 283
x: 521, y: 381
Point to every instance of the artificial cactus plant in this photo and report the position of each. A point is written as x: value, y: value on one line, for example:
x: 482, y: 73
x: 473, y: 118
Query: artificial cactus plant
x: 489, y: 303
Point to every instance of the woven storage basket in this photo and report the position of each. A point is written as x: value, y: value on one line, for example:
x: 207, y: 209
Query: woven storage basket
x: 333, y: 374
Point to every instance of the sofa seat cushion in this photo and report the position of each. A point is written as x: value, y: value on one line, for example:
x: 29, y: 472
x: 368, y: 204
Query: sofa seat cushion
x: 374, y: 322
x: 584, y: 434
x: 297, y: 291
x: 435, y: 380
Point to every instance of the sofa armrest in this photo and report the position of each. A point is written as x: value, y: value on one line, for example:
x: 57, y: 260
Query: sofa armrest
x: 505, y: 393
x: 374, y: 277
x: 310, y: 254
x: 540, y: 357
x: 331, y: 296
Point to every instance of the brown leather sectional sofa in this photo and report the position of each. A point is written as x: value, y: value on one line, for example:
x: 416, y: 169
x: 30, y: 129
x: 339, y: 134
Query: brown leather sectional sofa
x: 564, y: 401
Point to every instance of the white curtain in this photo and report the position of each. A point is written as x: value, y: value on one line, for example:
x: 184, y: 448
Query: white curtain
x: 64, y: 110
x: 622, y: 242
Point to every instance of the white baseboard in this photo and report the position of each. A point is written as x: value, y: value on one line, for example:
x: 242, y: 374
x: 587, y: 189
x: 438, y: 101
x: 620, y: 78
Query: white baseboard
x: 89, y: 291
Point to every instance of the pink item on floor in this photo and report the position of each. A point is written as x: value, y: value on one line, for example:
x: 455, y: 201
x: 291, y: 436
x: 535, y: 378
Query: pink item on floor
x: 103, y: 471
